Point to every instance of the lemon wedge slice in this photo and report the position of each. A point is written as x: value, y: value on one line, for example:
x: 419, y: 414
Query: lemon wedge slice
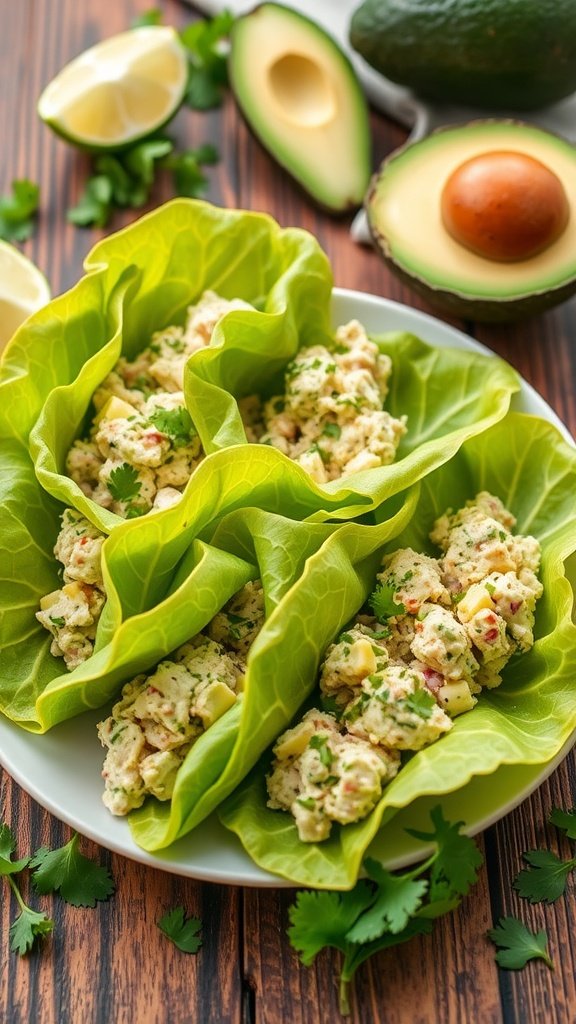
x: 23, y: 290
x: 119, y: 90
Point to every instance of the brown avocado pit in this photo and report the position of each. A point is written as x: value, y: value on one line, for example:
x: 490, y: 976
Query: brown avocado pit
x: 504, y: 206
x: 480, y: 218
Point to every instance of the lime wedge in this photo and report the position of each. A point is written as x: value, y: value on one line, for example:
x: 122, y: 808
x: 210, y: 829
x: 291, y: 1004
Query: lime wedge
x: 119, y: 90
x: 23, y: 290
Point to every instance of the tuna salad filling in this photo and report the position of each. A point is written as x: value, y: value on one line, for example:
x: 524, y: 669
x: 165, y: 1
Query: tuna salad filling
x: 71, y: 614
x: 142, y: 447
x: 441, y: 630
x: 330, y: 419
x: 161, y: 715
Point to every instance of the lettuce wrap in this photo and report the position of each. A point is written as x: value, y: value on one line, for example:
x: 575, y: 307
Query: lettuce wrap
x: 527, y: 720
x: 447, y: 395
x: 283, y: 660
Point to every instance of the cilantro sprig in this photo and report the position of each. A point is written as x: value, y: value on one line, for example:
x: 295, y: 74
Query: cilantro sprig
x: 175, y: 423
x: 17, y: 212
x: 517, y: 944
x: 125, y: 180
x: 383, y: 604
x: 205, y: 43
x: 544, y: 881
x: 79, y: 880
x: 30, y: 924
x: 387, y: 908
x: 182, y: 931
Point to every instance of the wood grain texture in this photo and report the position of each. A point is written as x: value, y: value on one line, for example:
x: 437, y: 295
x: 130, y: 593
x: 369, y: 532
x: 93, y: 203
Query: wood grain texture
x: 111, y: 965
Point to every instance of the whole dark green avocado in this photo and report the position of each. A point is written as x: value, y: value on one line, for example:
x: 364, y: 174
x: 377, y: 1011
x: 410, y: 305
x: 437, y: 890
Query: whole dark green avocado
x: 502, y: 54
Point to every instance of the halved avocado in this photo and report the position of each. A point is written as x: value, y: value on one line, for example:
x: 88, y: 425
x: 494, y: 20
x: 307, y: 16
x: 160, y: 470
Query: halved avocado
x: 301, y: 97
x: 404, y: 208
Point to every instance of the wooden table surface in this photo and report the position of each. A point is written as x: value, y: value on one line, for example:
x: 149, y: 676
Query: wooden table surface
x: 112, y: 965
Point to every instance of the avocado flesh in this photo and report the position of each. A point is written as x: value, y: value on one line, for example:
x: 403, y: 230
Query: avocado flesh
x: 302, y: 99
x: 404, y: 212
x: 497, y: 54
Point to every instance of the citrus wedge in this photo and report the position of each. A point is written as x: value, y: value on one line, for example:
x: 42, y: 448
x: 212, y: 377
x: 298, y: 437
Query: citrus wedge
x: 23, y: 290
x: 119, y: 90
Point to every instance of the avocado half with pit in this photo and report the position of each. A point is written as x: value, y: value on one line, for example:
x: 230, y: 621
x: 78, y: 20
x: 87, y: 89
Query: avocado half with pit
x: 300, y: 95
x: 480, y: 219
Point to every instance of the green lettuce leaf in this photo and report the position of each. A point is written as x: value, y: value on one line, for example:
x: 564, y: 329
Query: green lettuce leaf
x: 158, y: 596
x: 284, y: 659
x: 447, y: 394
x: 527, y: 720
x: 140, y: 280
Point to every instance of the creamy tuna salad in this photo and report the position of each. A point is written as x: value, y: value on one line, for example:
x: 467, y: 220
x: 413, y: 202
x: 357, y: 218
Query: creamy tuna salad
x: 330, y: 418
x: 441, y: 630
x: 161, y: 715
x: 142, y: 447
x: 71, y: 614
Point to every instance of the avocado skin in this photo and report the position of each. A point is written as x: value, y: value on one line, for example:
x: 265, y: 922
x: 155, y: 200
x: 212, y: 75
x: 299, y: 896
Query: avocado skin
x: 503, y: 54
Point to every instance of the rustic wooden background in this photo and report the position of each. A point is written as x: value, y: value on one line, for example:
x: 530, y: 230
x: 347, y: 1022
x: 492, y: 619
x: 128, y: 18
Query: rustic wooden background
x: 111, y: 965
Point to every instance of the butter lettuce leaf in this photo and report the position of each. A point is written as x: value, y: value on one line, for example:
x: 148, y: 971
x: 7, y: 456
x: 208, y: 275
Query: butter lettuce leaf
x: 139, y: 281
x: 525, y: 721
x: 284, y: 658
x: 448, y: 395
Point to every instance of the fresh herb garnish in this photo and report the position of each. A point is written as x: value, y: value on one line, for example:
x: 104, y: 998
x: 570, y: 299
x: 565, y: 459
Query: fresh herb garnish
x: 565, y: 820
x: 17, y: 211
x: 383, y: 604
x: 205, y: 42
x: 175, y: 423
x: 57, y: 620
x: 153, y: 16
x: 320, y: 743
x: 182, y: 931
x: 332, y: 430
x: 79, y: 880
x: 388, y: 908
x: 517, y: 944
x: 124, y: 483
x: 420, y: 703
x: 545, y: 880
x: 30, y: 924
x: 125, y: 180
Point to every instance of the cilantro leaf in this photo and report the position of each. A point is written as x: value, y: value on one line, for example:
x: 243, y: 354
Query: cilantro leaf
x: 182, y: 931
x: 546, y: 881
x: 518, y: 944
x: 565, y: 820
x: 188, y: 177
x: 320, y: 743
x: 319, y: 919
x: 141, y: 160
x: 175, y: 423
x: 151, y: 17
x: 79, y: 880
x: 27, y: 927
x: 7, y: 847
x: 457, y: 860
x: 398, y: 897
x: 124, y: 483
x: 207, y: 56
x: 420, y: 703
x: 383, y: 604
x: 17, y: 211
x: 332, y: 430
x: 95, y: 203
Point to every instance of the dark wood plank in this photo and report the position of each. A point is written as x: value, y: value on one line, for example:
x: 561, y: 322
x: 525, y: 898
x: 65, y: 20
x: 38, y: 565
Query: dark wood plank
x: 112, y: 964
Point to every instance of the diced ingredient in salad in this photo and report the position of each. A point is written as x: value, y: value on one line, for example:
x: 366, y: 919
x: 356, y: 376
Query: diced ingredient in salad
x: 160, y: 716
x: 330, y: 419
x: 441, y: 629
x: 71, y: 614
x: 142, y: 448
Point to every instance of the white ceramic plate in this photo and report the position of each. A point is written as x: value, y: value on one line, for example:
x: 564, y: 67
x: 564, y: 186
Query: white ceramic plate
x: 61, y: 769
